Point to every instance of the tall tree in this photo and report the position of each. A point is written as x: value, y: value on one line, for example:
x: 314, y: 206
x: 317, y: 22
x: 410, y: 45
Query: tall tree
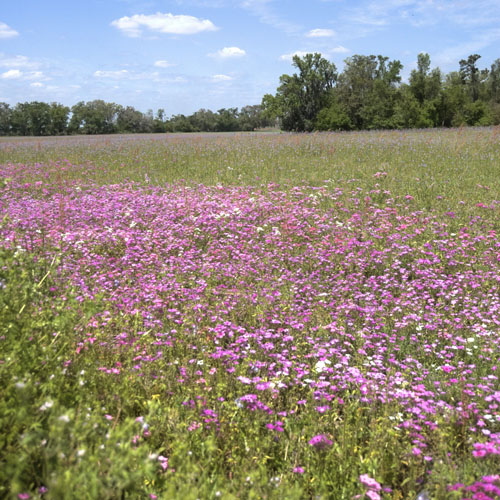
x: 300, y: 97
x: 94, y: 117
x: 470, y: 75
x: 367, y: 87
x: 494, y: 82
x: 5, y: 119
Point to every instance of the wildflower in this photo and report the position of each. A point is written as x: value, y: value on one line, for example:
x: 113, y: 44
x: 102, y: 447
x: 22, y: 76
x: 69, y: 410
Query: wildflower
x: 322, y: 409
x: 298, y: 470
x: 320, y: 441
x: 369, y: 482
x: 48, y: 404
x: 163, y: 462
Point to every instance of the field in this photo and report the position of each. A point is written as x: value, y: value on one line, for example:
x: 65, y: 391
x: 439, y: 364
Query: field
x: 271, y: 316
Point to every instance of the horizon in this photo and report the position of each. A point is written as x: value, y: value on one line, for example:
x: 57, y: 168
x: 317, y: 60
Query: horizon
x: 187, y: 55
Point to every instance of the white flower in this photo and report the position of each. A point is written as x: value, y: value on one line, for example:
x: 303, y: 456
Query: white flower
x: 48, y: 404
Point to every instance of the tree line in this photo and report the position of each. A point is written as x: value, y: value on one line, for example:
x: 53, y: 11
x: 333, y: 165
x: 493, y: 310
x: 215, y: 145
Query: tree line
x: 369, y: 94
x: 100, y: 117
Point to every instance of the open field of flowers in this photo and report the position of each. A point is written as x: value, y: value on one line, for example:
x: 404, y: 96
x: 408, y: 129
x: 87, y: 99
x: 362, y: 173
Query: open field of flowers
x: 251, y: 316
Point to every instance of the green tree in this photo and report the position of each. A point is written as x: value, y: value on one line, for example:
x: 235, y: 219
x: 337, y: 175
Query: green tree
x: 31, y: 118
x: 494, y: 82
x: 253, y: 117
x: 226, y: 120
x: 452, y: 101
x: 5, y: 119
x: 94, y: 117
x: 334, y: 116
x: 368, y: 87
x: 58, y: 118
x: 300, y: 97
x: 204, y: 120
x: 471, y: 75
x: 131, y: 120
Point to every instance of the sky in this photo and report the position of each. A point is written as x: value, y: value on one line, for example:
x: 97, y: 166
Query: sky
x: 184, y: 55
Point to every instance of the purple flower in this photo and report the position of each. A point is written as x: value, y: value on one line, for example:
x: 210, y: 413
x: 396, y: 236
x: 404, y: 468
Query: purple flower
x: 369, y: 482
x: 320, y: 441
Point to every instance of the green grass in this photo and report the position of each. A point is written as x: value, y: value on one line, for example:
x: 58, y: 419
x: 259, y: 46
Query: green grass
x: 457, y: 165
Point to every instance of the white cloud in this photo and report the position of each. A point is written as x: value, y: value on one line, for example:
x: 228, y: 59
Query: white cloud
x: 34, y: 75
x: 36, y: 84
x: 6, y: 31
x: 263, y: 9
x: 339, y: 50
x: 17, y: 62
x: 163, y: 64
x: 111, y: 74
x: 11, y: 74
x: 163, y: 23
x: 320, y: 33
x: 289, y: 57
x: 450, y: 55
x: 325, y: 53
x: 228, y: 53
x: 222, y: 78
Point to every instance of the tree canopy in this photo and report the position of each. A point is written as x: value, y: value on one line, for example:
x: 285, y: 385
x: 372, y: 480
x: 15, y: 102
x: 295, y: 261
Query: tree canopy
x: 369, y: 94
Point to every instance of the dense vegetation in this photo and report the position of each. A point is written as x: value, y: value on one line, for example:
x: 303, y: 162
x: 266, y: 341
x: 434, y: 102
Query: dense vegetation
x: 100, y: 117
x: 367, y: 94
x: 251, y: 316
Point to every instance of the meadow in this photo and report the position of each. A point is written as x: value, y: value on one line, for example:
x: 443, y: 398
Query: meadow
x: 261, y: 316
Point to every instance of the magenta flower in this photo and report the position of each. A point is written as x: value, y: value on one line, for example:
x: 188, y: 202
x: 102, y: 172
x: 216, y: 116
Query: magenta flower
x: 369, y: 482
x: 320, y: 441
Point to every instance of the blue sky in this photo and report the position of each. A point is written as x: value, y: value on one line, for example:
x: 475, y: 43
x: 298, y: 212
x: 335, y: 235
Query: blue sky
x: 183, y: 55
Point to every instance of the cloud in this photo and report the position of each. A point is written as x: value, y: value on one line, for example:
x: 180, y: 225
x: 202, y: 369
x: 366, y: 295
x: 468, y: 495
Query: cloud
x: 17, y: 62
x: 34, y: 75
x: 11, y: 74
x: 228, y: 53
x: 111, y: 74
x: 289, y: 57
x: 163, y: 64
x: 323, y: 53
x: 36, y: 84
x: 6, y: 31
x: 450, y: 55
x: 266, y: 14
x: 339, y: 50
x: 369, y: 16
x: 163, y: 23
x: 222, y: 78
x: 320, y: 33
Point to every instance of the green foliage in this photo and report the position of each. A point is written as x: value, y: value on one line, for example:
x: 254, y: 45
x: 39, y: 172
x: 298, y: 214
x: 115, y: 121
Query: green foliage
x: 300, y: 97
x: 333, y: 117
x: 368, y: 94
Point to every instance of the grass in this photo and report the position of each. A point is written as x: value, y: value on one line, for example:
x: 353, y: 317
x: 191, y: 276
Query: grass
x: 250, y: 316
